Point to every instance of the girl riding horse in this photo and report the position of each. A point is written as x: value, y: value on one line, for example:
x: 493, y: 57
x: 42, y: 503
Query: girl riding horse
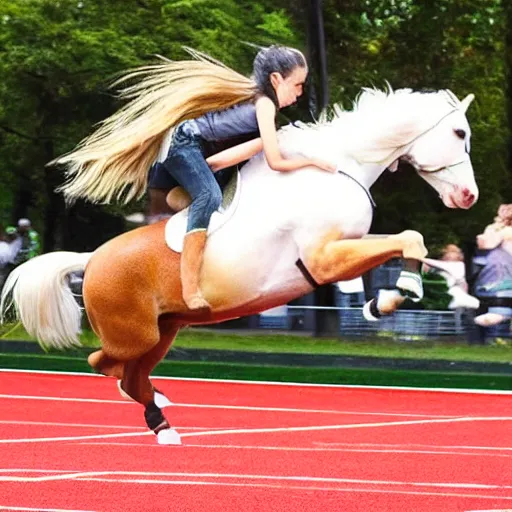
x: 176, y: 110
x: 289, y: 232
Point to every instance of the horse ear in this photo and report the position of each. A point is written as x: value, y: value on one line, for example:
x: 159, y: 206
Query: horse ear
x: 467, y: 101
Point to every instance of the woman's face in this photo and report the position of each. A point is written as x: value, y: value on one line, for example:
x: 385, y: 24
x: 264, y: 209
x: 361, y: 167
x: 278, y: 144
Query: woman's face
x: 290, y: 88
x: 453, y: 253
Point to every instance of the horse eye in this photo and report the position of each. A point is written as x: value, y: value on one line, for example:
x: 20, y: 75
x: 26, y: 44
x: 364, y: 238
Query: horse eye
x: 460, y: 133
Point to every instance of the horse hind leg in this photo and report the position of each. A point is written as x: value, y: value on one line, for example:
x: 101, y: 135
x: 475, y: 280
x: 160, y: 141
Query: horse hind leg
x: 131, y: 348
x: 137, y: 385
x: 106, y: 365
x: 110, y: 367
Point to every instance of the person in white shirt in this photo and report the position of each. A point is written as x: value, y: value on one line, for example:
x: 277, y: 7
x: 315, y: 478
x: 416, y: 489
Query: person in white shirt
x: 452, y: 267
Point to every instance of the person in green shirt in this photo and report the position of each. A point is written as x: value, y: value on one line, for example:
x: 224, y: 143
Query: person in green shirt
x: 28, y: 240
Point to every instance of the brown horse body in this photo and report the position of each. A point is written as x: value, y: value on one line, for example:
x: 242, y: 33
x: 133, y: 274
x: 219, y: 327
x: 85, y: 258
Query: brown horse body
x: 138, y: 322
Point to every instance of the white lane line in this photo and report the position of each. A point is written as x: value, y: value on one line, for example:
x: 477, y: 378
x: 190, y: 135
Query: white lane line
x: 93, y: 425
x: 291, y: 384
x: 316, y: 411
x: 154, y: 476
x: 414, y: 445
x: 316, y: 428
x: 306, y: 488
x: 19, y: 470
x: 304, y: 449
x: 73, y: 438
x: 342, y: 427
x: 347, y: 450
x: 38, y: 509
x: 354, y: 490
x: 74, y: 425
x: 285, y: 487
x: 63, y: 399
x: 222, y: 406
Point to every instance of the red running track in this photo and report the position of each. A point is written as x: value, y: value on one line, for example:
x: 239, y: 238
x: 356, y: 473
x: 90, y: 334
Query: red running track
x: 70, y: 442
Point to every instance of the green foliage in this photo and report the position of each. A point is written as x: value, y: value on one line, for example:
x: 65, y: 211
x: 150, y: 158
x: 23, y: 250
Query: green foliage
x: 457, y: 45
x: 436, y: 292
x: 57, y: 59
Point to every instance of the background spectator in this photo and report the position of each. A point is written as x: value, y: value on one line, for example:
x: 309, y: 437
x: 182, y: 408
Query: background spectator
x: 452, y: 267
x: 9, y: 246
x: 26, y: 241
x: 493, y: 280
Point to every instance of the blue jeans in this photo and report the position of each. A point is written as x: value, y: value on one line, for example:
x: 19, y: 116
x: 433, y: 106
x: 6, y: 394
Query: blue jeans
x: 187, y: 165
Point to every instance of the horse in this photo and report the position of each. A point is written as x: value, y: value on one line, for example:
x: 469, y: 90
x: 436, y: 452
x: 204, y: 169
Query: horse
x: 288, y: 233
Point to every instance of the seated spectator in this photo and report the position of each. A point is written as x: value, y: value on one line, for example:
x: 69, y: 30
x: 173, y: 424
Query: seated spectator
x: 493, y: 282
x: 452, y: 267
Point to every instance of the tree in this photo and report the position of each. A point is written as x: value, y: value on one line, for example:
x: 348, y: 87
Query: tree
x: 56, y: 61
x: 57, y: 58
x: 458, y: 45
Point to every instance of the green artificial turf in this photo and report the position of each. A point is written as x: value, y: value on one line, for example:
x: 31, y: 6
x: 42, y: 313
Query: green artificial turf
x: 360, y: 376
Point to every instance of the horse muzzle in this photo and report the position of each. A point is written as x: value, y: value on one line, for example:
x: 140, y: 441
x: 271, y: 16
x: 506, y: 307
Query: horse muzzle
x: 459, y: 197
x: 455, y: 185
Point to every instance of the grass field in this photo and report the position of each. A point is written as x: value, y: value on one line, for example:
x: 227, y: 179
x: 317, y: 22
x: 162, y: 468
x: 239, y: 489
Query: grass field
x: 269, y: 342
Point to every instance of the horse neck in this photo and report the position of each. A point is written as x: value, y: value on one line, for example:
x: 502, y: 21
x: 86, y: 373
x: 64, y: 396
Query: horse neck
x: 335, y: 142
x: 366, y: 174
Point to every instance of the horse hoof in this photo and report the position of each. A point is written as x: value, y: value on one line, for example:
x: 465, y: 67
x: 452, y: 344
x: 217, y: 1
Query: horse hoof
x: 161, y: 400
x: 168, y: 436
x: 410, y: 285
x: 369, y: 310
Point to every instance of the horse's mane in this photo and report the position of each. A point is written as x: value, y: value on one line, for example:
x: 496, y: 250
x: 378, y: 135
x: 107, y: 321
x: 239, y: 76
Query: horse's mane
x: 379, y: 123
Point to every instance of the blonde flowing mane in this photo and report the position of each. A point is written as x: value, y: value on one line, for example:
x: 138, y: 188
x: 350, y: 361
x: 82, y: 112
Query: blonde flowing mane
x: 113, y: 163
x: 379, y: 123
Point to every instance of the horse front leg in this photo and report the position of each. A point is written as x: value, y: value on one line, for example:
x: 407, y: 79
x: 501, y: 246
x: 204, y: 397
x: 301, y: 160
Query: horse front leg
x: 333, y: 260
x: 408, y: 285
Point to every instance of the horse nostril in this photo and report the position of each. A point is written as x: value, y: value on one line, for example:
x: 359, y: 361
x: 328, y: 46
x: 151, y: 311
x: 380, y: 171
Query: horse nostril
x: 467, y: 195
x: 469, y: 198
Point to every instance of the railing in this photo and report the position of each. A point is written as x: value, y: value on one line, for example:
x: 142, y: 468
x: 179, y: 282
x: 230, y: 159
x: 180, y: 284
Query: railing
x: 404, y: 324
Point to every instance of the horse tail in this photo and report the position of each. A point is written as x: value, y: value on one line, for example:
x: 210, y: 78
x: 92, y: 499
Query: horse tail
x: 43, y: 300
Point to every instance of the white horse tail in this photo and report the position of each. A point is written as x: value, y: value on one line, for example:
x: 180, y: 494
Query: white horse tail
x: 43, y: 300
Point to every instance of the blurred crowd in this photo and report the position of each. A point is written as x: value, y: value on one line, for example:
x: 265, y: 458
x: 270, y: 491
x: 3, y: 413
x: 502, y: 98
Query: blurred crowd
x: 485, y: 284
x: 17, y: 244
x: 481, y: 286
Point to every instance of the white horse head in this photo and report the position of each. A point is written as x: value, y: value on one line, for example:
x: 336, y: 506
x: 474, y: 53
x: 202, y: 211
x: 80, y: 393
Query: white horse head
x: 441, y: 156
x: 427, y: 129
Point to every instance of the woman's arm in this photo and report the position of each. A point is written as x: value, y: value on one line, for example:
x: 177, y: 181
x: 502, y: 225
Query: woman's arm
x: 266, y: 113
x: 234, y: 155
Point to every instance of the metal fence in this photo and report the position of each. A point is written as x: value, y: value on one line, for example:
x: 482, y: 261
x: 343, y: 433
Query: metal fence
x: 405, y: 324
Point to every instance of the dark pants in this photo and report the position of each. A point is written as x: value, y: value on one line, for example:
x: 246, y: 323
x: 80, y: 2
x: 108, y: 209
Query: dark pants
x: 187, y: 165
